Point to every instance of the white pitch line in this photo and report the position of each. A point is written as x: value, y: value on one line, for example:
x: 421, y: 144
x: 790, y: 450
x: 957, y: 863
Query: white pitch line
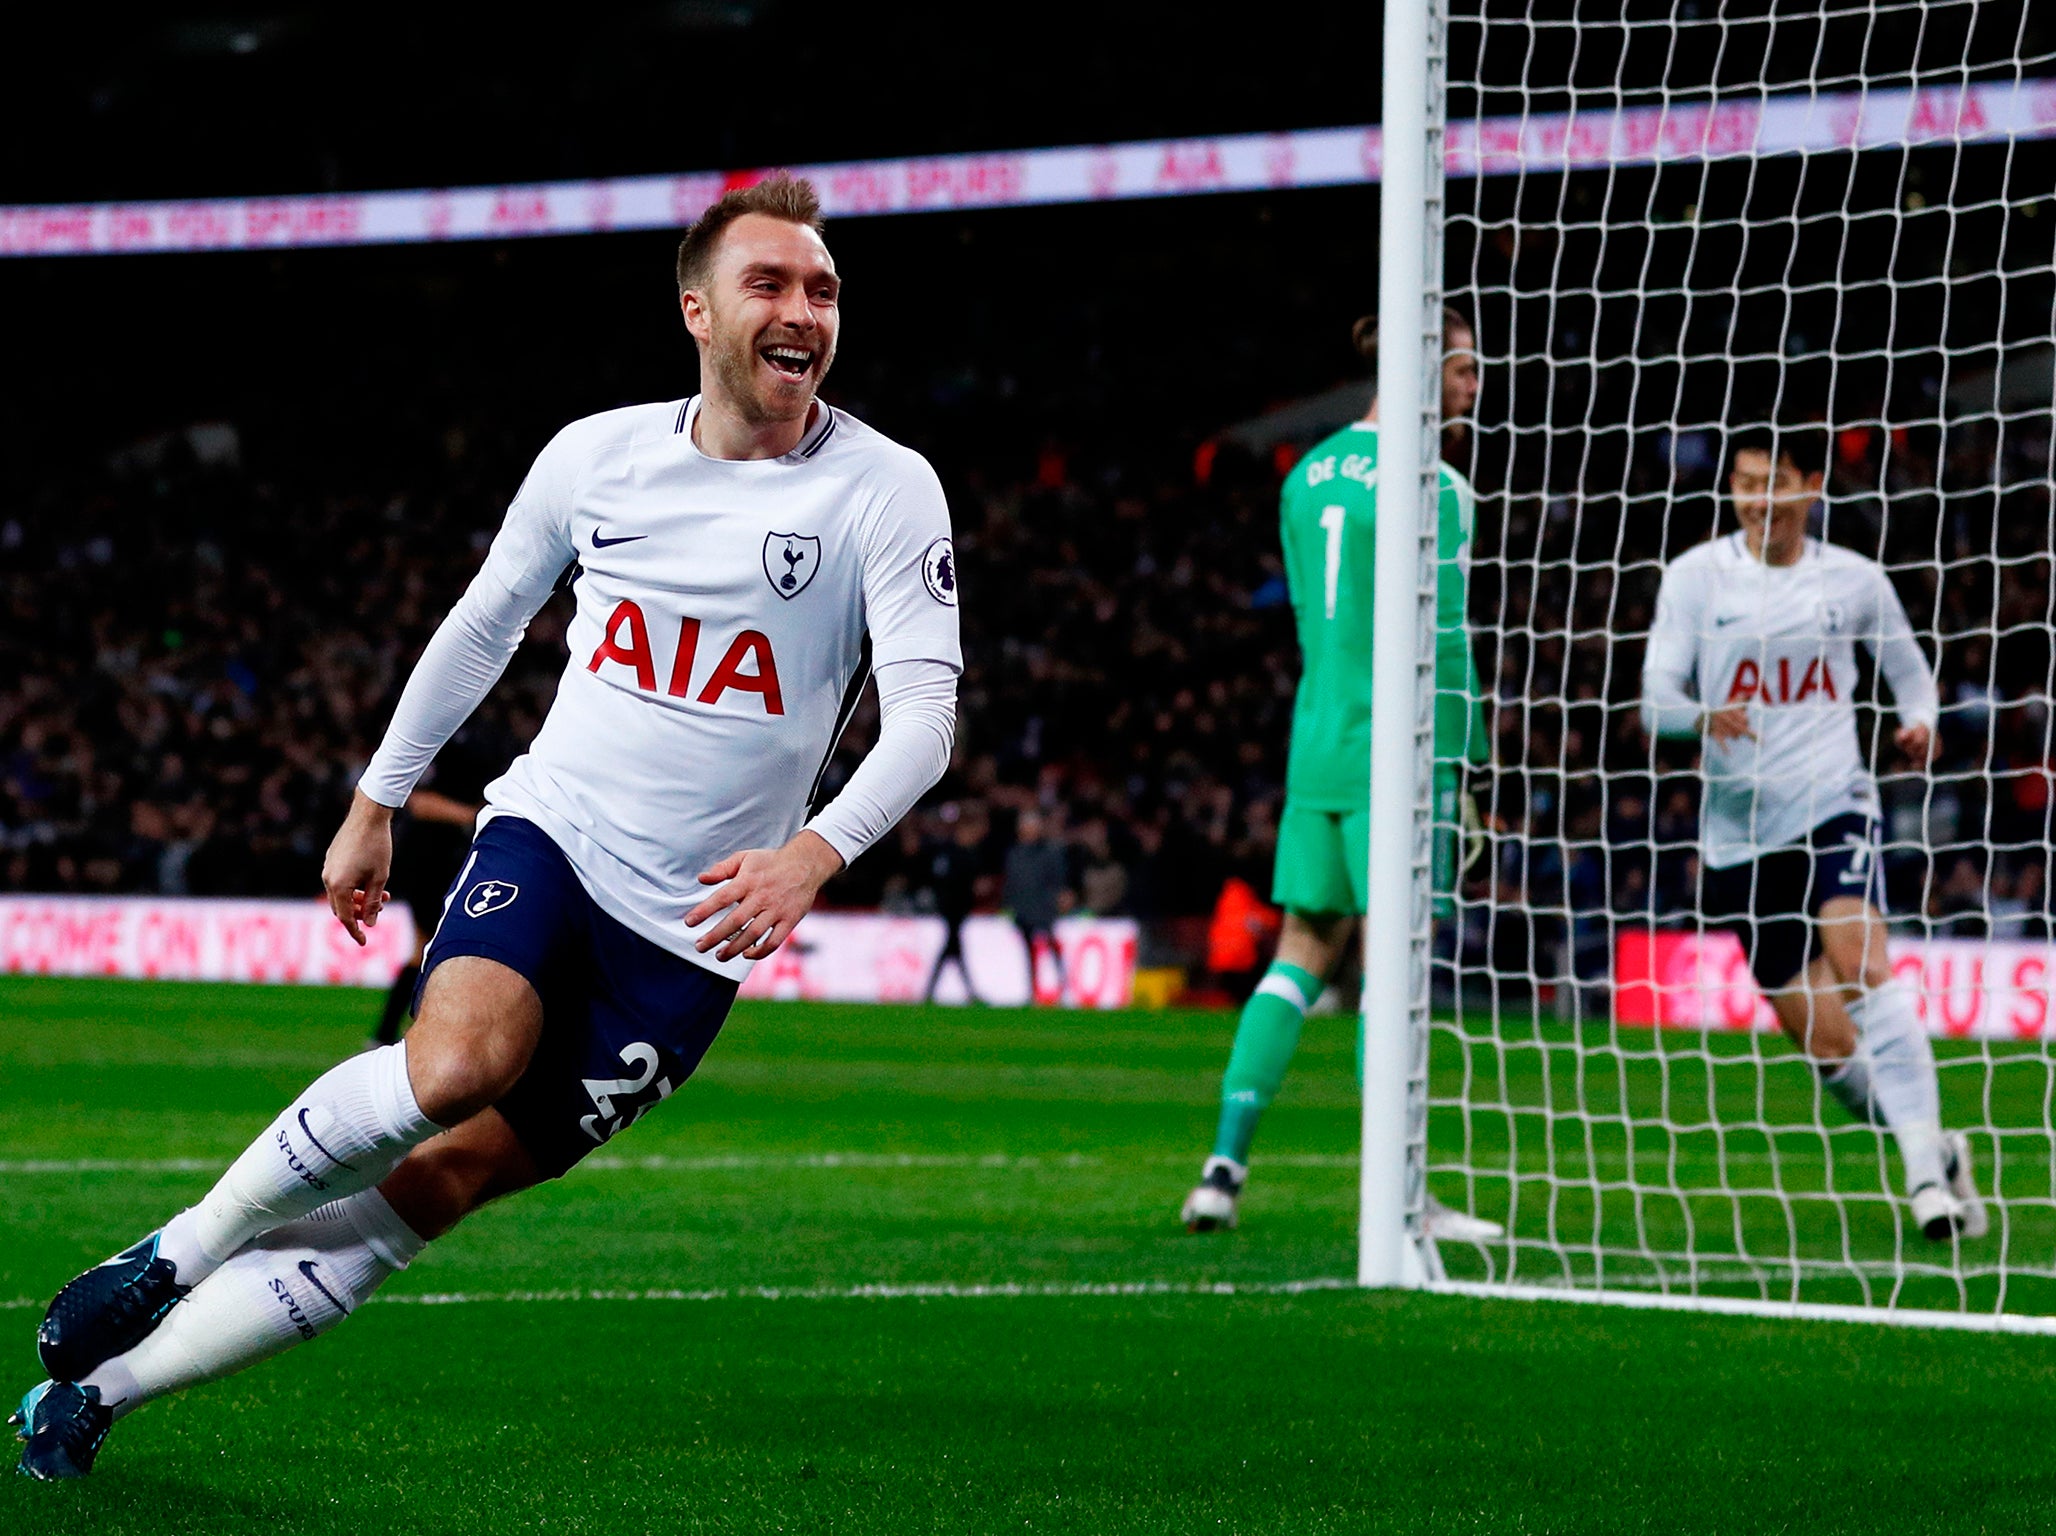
x: 606, y: 1162
x: 747, y: 1162
x: 1731, y: 1306
x: 111, y: 1165
x: 1905, y: 1317
x: 719, y: 1162
x: 914, y: 1291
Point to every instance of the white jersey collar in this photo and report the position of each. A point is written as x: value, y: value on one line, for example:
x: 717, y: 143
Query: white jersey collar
x: 1738, y: 551
x: 818, y: 432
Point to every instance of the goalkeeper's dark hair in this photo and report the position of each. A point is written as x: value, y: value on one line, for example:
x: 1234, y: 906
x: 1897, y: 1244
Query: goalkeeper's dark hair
x: 781, y: 196
x: 1803, y: 443
x: 1364, y: 335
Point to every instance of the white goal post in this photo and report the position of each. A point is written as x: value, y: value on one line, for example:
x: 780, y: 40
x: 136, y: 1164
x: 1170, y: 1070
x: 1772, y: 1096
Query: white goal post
x: 1669, y: 224
x: 1391, y: 1249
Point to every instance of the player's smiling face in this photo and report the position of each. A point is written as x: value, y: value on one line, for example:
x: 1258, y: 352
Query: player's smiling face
x: 1772, y: 508
x: 768, y: 318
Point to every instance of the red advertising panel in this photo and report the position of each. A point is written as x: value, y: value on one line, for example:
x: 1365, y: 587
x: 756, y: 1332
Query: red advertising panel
x: 1988, y: 989
x: 838, y: 956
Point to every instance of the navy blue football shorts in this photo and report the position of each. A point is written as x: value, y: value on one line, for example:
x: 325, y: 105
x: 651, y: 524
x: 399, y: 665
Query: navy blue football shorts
x: 1771, y: 904
x: 624, y: 1020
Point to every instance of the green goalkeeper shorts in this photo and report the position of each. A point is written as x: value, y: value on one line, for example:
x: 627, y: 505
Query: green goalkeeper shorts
x: 1324, y: 856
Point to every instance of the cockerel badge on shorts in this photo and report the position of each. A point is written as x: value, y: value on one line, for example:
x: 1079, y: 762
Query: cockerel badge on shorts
x: 790, y: 560
x: 489, y: 896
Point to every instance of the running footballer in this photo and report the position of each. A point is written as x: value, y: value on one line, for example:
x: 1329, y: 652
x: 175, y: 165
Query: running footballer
x: 1753, y: 655
x: 740, y: 560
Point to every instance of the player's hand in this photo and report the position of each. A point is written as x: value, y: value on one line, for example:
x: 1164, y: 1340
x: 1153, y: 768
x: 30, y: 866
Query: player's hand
x: 1917, y: 742
x: 766, y: 891
x: 359, y: 860
x: 1730, y: 724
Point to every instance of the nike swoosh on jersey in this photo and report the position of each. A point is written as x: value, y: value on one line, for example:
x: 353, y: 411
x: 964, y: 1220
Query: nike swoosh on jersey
x: 1722, y: 621
x: 605, y: 543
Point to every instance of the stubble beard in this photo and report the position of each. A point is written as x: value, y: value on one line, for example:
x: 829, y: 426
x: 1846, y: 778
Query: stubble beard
x: 736, y: 363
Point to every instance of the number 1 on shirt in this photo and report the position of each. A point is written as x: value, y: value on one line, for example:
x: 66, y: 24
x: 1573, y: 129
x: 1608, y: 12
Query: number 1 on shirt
x: 1331, y: 519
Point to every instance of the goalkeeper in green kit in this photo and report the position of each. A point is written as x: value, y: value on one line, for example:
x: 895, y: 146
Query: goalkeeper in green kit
x: 1328, y: 517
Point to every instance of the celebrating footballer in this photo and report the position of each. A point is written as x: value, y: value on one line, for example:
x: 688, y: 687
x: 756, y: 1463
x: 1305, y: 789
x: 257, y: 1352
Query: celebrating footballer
x: 741, y: 561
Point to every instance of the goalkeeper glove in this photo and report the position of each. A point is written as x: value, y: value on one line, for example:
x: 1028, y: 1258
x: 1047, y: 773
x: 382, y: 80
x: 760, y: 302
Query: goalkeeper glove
x: 1474, y: 838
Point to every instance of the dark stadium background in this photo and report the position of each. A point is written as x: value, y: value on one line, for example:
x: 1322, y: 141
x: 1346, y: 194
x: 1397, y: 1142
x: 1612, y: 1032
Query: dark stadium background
x: 242, y: 488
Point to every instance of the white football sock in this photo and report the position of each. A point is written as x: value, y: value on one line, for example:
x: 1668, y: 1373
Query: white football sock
x: 345, y: 1133
x: 292, y: 1283
x: 1849, y: 1081
x: 1901, y: 1064
x: 1239, y: 1172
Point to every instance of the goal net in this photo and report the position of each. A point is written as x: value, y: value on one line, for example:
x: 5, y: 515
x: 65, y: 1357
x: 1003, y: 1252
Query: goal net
x: 1671, y: 224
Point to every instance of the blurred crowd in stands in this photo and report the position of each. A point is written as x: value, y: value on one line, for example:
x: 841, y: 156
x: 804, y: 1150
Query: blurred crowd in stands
x: 196, y: 658
x: 197, y: 653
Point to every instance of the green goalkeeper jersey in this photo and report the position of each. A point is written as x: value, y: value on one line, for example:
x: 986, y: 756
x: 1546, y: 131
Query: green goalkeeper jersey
x: 1328, y: 516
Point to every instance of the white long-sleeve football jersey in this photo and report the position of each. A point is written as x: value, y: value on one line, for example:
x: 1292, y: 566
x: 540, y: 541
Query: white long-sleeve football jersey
x: 726, y: 613
x: 1781, y: 640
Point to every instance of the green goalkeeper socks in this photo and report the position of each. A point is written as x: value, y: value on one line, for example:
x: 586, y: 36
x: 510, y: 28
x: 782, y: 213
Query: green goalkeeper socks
x: 1264, y: 1043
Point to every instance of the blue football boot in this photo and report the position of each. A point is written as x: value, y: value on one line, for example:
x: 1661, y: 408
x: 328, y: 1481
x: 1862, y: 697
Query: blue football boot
x: 63, y: 1424
x: 18, y: 1420
x: 107, y: 1311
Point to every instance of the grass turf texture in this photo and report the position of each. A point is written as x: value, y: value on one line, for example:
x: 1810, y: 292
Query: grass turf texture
x: 992, y: 1147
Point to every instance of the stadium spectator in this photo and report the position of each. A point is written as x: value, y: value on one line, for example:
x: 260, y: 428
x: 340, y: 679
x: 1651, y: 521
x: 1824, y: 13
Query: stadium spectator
x: 956, y: 864
x: 1035, y: 890
x: 1239, y: 938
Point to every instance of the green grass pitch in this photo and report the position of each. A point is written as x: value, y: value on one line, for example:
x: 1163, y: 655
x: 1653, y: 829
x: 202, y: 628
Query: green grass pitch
x: 826, y: 1149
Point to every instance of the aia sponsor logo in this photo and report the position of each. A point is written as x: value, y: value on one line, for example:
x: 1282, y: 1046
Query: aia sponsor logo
x: 1103, y: 173
x: 1190, y: 165
x: 626, y: 643
x: 1776, y: 685
x: 1280, y: 160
